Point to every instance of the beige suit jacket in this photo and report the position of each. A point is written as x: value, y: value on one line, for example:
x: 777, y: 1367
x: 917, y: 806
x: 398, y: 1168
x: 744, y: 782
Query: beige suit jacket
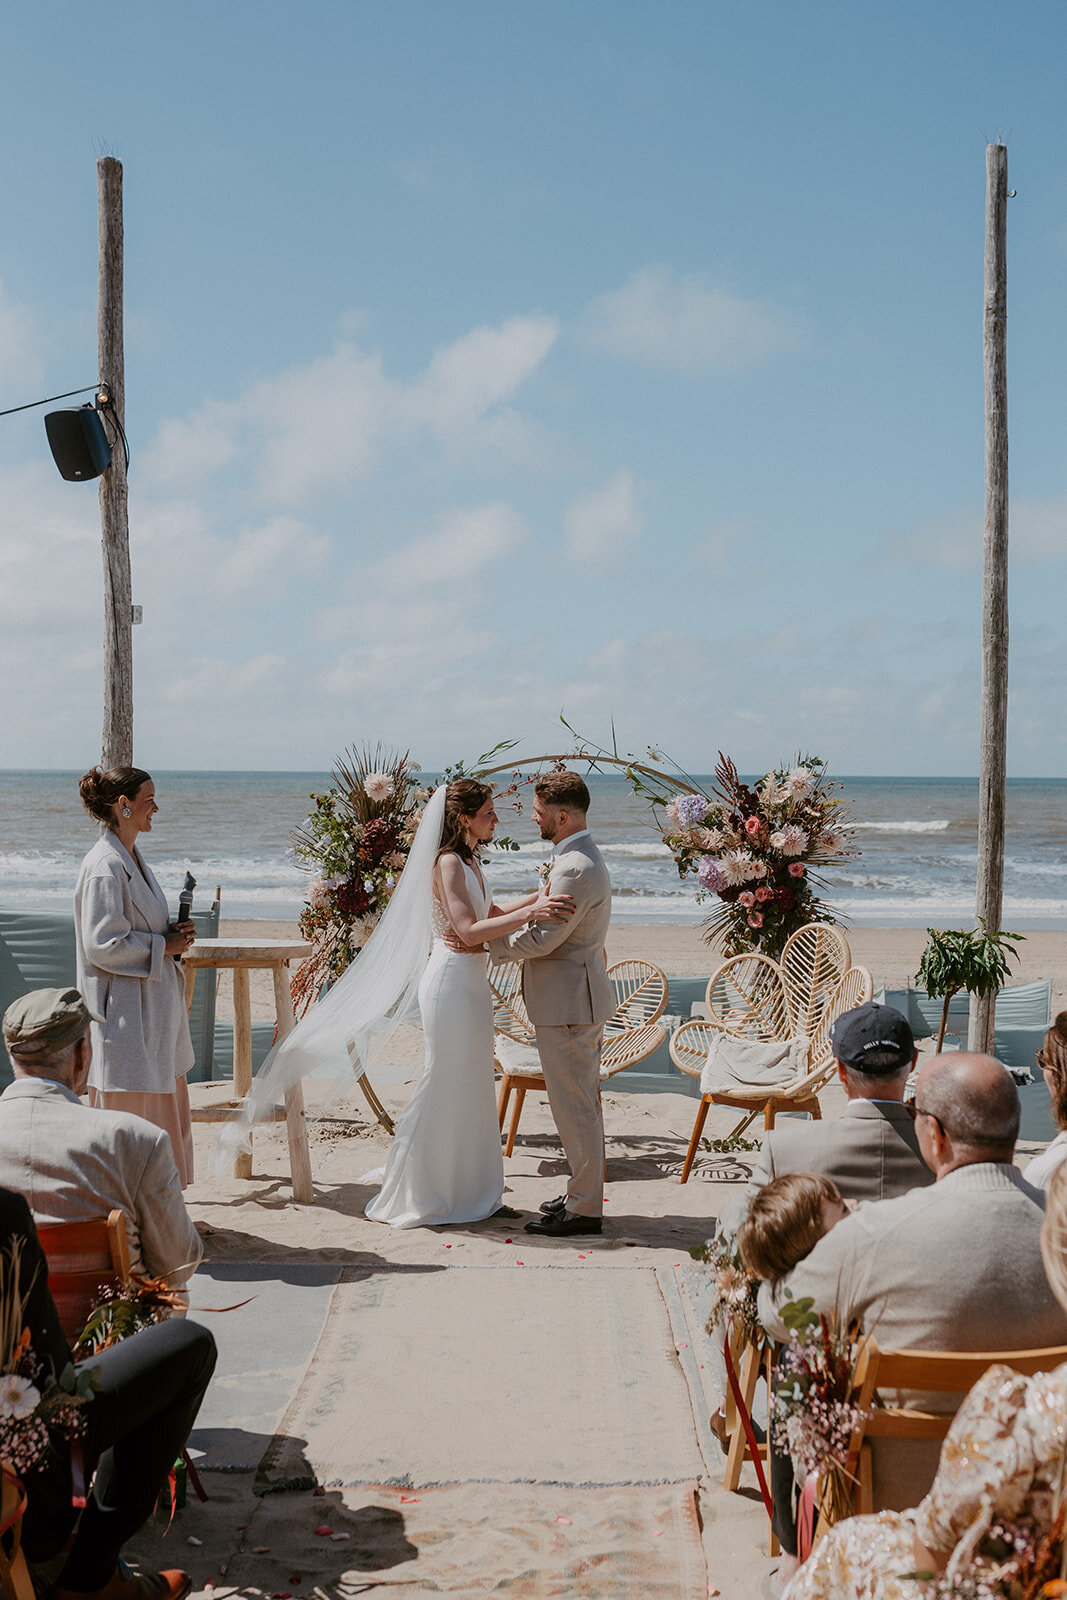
x: 72, y: 1164
x: 564, y: 972
x: 870, y: 1152
x: 956, y: 1266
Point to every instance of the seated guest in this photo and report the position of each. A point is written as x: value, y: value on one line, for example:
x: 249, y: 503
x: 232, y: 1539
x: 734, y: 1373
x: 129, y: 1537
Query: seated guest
x: 956, y: 1266
x: 1002, y: 1462
x: 871, y: 1151
x: 1052, y: 1059
x: 73, y: 1163
x: 785, y: 1222
x: 146, y: 1394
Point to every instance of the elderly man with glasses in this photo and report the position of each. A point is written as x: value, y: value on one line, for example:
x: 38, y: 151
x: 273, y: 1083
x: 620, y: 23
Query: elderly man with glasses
x: 956, y: 1266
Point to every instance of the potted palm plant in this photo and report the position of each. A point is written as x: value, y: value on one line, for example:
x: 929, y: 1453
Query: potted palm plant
x: 973, y: 959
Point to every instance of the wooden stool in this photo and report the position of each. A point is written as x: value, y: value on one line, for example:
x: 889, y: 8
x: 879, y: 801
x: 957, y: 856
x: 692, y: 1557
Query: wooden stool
x: 242, y: 956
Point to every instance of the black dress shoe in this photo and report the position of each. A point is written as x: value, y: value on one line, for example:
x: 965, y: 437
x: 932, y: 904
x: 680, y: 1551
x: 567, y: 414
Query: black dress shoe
x: 549, y: 1206
x: 561, y: 1224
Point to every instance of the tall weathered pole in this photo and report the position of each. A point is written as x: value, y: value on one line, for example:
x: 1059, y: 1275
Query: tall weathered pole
x: 114, y: 513
x: 993, y: 775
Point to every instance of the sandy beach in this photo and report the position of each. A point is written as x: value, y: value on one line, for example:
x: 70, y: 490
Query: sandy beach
x: 402, y: 1434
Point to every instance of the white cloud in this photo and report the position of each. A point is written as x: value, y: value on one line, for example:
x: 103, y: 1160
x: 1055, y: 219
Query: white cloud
x: 688, y: 324
x: 602, y: 528
x: 462, y: 545
x: 20, y: 361
x: 313, y: 428
x: 1037, y: 532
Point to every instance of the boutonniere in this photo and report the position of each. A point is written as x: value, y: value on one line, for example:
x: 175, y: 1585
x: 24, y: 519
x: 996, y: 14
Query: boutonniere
x: 543, y: 872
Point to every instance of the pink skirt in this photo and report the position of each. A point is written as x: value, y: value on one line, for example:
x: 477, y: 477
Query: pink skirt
x: 168, y: 1111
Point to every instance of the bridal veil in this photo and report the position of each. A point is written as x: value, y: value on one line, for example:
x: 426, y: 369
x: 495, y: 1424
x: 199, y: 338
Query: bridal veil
x: 347, y: 1028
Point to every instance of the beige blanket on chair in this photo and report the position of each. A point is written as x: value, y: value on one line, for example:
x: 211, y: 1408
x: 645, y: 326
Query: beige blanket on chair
x: 753, y: 1066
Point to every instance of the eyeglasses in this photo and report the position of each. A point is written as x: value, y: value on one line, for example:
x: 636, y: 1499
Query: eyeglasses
x: 915, y: 1111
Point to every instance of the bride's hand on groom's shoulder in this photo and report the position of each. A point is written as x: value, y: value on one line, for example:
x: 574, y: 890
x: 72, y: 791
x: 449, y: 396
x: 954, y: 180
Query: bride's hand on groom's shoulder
x: 552, y: 908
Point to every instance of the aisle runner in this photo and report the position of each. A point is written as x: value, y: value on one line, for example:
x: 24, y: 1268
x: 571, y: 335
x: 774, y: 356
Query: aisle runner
x: 555, y: 1375
x: 523, y: 1542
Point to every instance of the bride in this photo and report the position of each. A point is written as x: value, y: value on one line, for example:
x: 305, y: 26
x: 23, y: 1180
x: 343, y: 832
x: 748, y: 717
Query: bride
x: 445, y: 1164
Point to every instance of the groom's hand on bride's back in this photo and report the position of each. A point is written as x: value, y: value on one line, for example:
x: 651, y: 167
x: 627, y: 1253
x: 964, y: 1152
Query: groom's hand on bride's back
x: 455, y: 943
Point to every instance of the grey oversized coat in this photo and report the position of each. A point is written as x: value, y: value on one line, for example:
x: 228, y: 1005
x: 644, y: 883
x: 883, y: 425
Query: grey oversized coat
x: 121, y: 921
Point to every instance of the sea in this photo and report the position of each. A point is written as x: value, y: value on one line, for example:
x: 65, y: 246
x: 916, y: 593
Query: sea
x: 914, y: 847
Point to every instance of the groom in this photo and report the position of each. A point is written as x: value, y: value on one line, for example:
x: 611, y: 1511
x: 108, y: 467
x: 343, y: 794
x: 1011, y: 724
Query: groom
x: 569, y: 999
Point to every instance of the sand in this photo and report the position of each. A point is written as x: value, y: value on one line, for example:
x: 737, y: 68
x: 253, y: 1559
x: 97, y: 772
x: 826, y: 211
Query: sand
x: 651, y: 1220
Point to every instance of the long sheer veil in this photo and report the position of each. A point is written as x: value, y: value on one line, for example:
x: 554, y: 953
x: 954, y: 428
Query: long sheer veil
x: 348, y: 1027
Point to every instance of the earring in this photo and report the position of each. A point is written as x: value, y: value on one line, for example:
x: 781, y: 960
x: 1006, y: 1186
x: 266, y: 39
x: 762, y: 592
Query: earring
x: 126, y: 812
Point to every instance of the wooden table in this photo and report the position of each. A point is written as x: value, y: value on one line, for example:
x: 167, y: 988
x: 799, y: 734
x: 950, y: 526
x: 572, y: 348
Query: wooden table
x: 242, y: 956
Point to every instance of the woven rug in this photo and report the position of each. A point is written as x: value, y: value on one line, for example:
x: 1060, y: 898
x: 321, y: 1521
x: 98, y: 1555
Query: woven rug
x: 524, y: 1542
x: 554, y: 1375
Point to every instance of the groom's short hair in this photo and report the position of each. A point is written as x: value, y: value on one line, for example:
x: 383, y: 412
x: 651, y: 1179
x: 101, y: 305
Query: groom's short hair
x: 564, y: 789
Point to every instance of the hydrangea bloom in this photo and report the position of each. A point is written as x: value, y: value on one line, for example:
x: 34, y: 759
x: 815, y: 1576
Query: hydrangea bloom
x: 691, y: 809
x: 710, y: 875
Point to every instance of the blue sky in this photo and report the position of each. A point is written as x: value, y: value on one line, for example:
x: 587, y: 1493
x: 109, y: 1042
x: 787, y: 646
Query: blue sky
x: 487, y: 361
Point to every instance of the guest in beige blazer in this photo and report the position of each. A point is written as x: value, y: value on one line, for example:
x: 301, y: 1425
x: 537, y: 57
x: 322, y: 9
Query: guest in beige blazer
x: 956, y: 1266
x: 569, y: 998
x: 73, y: 1164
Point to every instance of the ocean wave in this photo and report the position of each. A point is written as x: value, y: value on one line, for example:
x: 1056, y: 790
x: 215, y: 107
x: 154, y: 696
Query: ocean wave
x: 911, y: 826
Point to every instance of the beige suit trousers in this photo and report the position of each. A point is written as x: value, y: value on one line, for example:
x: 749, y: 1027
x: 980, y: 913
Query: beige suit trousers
x: 570, y: 1060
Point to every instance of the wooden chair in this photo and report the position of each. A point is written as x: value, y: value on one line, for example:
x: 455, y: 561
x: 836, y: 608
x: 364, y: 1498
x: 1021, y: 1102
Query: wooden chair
x: 748, y: 997
x: 83, y: 1257
x: 813, y: 962
x: 631, y: 1033
x: 947, y: 1372
x: 14, y: 1573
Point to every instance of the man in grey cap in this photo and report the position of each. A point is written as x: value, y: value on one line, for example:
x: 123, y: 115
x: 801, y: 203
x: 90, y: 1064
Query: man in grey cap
x: 73, y: 1163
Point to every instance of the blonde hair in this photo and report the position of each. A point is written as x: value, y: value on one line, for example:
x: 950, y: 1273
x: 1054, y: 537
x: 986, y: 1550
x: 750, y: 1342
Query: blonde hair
x: 784, y: 1223
x: 1054, y: 1234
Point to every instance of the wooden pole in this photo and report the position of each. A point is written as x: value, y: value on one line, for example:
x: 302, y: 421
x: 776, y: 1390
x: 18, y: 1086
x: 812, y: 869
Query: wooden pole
x: 114, y: 511
x: 993, y: 776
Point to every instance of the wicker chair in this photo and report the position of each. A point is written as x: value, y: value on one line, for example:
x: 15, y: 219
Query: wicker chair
x: 749, y: 997
x: 813, y: 962
x: 631, y: 1033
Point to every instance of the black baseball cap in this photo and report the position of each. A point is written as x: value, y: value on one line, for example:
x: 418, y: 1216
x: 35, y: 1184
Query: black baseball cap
x: 856, y: 1034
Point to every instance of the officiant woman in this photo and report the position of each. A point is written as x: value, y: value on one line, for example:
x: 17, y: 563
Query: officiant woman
x: 129, y: 965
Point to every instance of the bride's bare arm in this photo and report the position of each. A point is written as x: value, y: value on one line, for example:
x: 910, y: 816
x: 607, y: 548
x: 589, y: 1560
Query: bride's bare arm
x: 514, y: 905
x: 452, y: 891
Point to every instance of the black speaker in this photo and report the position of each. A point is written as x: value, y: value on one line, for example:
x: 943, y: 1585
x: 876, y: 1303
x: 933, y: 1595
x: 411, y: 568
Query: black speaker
x: 78, y: 442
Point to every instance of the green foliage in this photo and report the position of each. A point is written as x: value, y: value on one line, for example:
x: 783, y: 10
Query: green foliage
x: 957, y: 958
x: 725, y: 1147
x: 798, y: 1315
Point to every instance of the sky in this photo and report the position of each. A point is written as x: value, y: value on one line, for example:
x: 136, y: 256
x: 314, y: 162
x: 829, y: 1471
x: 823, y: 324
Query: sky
x: 491, y: 362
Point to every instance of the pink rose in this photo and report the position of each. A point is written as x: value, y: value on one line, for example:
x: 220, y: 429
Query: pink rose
x: 752, y: 826
x: 755, y: 919
x: 796, y: 869
x: 763, y: 895
x: 747, y: 898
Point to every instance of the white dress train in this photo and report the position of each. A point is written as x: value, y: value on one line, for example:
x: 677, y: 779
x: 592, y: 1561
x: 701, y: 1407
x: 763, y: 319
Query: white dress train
x: 446, y: 1163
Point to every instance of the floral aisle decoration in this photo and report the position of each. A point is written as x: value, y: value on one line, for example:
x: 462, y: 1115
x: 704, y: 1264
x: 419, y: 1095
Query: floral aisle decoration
x: 36, y: 1405
x: 812, y: 1413
x: 123, y: 1309
x: 754, y: 847
x: 354, y: 843
x: 734, y: 1290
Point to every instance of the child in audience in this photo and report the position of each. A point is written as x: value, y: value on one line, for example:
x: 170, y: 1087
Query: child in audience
x: 785, y: 1221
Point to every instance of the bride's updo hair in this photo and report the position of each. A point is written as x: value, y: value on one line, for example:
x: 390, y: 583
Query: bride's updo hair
x: 1053, y: 1058
x: 99, y: 790
x: 463, y: 799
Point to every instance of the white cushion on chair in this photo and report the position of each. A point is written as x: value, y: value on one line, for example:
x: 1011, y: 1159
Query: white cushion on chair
x: 753, y: 1066
x: 517, y: 1060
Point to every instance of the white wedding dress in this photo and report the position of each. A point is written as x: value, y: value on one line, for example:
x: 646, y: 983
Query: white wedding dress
x: 446, y: 1163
